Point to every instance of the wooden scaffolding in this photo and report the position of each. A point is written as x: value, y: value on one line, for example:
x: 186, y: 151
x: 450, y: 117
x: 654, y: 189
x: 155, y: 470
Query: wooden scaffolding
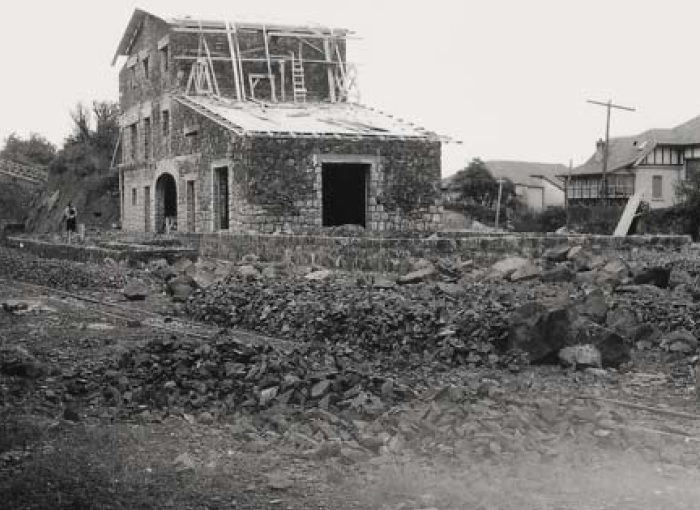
x: 315, y: 45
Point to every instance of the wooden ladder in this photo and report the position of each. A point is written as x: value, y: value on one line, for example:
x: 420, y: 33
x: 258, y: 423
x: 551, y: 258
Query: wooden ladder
x: 298, y: 80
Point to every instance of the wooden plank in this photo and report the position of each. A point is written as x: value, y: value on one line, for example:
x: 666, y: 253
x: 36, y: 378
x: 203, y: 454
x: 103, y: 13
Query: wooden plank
x: 269, y: 64
x: 627, y: 217
x: 211, y: 67
x: 234, y: 64
x: 329, y: 70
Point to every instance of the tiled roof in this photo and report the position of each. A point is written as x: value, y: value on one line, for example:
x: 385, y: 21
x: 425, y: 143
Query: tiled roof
x: 310, y: 119
x: 524, y: 173
x: 627, y: 151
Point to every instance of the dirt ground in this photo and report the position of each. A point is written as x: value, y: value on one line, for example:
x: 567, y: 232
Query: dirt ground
x: 546, y: 439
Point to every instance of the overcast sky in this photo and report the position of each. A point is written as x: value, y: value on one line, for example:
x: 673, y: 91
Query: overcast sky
x: 509, y: 78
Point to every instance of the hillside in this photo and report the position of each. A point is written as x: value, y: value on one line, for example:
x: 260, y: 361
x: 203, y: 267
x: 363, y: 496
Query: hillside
x: 95, y: 196
x: 16, y: 199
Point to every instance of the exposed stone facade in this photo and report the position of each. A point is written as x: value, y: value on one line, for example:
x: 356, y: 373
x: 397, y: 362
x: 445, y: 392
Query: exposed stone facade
x: 272, y: 183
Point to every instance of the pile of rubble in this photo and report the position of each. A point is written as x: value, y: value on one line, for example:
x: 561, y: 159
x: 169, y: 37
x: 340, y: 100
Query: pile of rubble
x: 223, y: 376
x: 60, y: 273
x: 413, y: 324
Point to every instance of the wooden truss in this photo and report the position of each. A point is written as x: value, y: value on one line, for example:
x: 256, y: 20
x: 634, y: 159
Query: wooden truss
x: 321, y: 45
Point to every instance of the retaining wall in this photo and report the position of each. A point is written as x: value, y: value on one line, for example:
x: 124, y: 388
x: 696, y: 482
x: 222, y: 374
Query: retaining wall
x: 132, y: 254
x: 391, y: 254
x: 394, y: 254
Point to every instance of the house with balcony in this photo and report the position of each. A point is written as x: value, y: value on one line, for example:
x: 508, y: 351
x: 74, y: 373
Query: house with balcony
x: 249, y: 126
x: 652, y: 162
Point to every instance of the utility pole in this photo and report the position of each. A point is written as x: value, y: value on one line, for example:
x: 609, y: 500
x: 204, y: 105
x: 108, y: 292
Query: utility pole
x: 498, y: 200
x: 609, y: 105
x: 567, y: 185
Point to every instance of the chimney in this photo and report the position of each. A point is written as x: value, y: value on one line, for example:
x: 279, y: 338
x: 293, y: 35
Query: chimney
x: 599, y: 148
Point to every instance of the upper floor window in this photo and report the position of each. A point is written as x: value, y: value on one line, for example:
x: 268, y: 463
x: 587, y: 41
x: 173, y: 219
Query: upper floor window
x: 133, y: 139
x: 146, y: 69
x: 147, y: 138
x: 166, y: 129
x: 164, y: 58
x: 134, y: 196
x: 657, y: 187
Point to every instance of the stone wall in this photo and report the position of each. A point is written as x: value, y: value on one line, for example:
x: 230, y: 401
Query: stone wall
x: 134, y: 86
x: 395, y: 254
x: 279, y: 183
x: 84, y: 253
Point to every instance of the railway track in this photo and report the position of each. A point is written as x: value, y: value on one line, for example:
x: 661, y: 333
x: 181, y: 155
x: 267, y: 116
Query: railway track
x: 140, y: 316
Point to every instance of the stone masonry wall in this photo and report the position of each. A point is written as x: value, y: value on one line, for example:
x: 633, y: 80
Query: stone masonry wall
x: 395, y: 254
x: 279, y: 182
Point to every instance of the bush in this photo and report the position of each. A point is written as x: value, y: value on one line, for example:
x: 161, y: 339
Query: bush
x: 548, y: 220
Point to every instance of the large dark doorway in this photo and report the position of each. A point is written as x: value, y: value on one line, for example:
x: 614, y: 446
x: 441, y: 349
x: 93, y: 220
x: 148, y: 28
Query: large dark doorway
x: 166, y: 203
x: 344, y: 194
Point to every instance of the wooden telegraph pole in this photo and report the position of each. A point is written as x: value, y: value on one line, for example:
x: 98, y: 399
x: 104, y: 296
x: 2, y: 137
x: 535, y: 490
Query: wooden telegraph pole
x: 498, y: 200
x: 609, y: 105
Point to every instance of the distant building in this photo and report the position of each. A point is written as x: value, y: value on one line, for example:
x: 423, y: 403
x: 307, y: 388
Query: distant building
x: 250, y: 126
x: 537, y: 185
x: 652, y: 162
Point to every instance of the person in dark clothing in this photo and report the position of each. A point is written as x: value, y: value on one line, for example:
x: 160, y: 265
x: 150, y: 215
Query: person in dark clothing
x: 70, y: 215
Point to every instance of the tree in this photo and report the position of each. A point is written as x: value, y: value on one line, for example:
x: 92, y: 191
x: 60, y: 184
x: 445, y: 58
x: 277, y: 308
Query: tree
x: 91, y: 144
x: 688, y: 194
x: 35, y: 150
x: 475, y: 184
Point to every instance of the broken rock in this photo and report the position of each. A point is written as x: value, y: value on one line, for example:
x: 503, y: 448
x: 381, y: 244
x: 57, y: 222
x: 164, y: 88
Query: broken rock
x: 658, y: 276
x: 581, y: 356
x: 539, y: 330
x: 527, y: 272
x: 319, y: 276
x: 557, y: 253
x: 679, y: 341
x: 17, y: 361
x: 418, y: 276
x: 595, y: 306
x: 506, y: 267
x: 559, y: 273
x: 614, y: 349
x: 136, y: 290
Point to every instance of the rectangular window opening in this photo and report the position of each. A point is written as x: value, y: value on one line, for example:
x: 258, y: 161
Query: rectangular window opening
x: 221, y: 198
x: 657, y: 187
x: 166, y: 130
x: 134, y: 196
x: 147, y: 138
x: 145, y: 67
x: 147, y: 208
x: 164, y: 59
x: 190, y: 207
x: 133, y: 136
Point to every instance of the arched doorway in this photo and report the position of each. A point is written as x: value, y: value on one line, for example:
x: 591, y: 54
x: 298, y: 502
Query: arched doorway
x: 166, y: 203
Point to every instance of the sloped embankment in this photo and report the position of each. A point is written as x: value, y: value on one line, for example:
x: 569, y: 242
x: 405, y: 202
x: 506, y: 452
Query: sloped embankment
x: 95, y: 196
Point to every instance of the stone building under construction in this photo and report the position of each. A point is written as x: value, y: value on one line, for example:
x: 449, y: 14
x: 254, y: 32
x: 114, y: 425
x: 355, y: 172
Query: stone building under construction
x: 231, y: 126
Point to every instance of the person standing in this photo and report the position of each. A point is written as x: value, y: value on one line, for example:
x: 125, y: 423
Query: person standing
x: 70, y: 215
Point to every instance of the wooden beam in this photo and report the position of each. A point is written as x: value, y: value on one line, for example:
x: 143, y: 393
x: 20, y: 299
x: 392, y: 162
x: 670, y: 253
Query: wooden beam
x: 234, y: 64
x: 227, y: 58
x: 282, y: 80
x: 269, y: 64
x: 329, y: 71
x: 211, y: 66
